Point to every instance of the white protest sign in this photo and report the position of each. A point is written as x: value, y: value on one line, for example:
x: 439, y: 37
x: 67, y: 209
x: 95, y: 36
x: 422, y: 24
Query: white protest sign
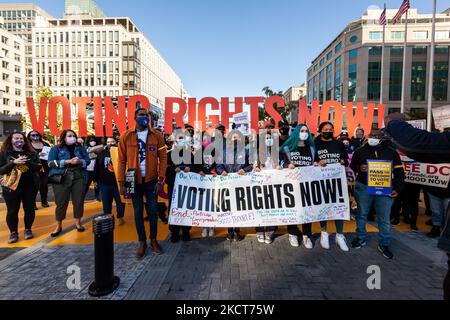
x: 160, y: 123
x: 242, y: 122
x: 419, y: 124
x: 267, y: 198
x: 441, y: 116
x: 433, y: 175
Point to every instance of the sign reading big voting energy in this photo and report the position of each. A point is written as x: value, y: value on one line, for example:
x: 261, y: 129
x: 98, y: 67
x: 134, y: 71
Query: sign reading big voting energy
x: 267, y: 198
x: 379, y: 177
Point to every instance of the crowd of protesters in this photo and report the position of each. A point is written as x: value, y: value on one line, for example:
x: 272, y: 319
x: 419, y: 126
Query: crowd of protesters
x: 75, y: 163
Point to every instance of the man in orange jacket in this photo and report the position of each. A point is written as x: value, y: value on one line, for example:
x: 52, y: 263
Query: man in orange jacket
x: 142, y: 151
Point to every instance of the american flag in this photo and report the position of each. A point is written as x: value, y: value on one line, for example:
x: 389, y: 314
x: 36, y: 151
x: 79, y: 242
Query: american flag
x: 403, y: 9
x: 382, y: 21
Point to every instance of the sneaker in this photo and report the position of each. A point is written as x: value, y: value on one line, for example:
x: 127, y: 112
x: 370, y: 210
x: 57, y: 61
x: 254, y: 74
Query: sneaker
x: 45, y: 205
x: 237, y: 237
x: 395, y: 222
x: 204, y: 233
x: 341, y: 242
x: 260, y: 237
x: 293, y: 240
x: 120, y: 222
x: 268, y: 238
x: 358, y: 243
x: 212, y: 232
x: 435, y: 232
x: 325, y: 240
x: 307, y: 243
x: 13, y: 238
x: 387, y: 253
x: 414, y: 227
x: 28, y: 235
x: 230, y: 236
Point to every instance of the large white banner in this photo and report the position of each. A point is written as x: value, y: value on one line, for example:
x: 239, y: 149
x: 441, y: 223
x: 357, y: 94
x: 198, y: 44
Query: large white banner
x: 433, y: 175
x: 268, y: 198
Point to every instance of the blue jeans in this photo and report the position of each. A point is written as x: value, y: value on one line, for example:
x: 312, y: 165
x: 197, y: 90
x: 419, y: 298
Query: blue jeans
x: 146, y: 190
x: 439, y: 208
x: 382, y: 207
x: 109, y: 193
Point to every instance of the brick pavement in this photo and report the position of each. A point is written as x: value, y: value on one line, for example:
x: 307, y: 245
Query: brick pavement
x: 217, y: 269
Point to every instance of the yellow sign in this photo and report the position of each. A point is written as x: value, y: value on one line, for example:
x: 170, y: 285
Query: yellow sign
x: 379, y: 174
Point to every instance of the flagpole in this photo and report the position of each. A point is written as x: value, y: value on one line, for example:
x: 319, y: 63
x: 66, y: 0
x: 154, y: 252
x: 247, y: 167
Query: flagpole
x: 382, y: 61
x: 431, y: 68
x: 402, y: 104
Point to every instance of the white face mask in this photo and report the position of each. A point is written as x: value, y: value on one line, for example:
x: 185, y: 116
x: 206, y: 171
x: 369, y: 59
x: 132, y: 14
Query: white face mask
x: 70, y: 141
x: 373, y: 142
x: 180, y: 143
x: 269, y: 142
x: 304, y: 136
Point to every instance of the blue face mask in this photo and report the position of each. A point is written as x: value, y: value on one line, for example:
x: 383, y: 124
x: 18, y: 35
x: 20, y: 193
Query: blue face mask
x: 143, y: 121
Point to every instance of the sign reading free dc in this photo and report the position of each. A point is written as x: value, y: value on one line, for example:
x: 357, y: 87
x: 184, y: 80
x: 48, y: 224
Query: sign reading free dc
x: 379, y: 177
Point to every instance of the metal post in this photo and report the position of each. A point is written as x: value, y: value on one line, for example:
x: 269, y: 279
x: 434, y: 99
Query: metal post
x: 402, y: 105
x: 431, y: 68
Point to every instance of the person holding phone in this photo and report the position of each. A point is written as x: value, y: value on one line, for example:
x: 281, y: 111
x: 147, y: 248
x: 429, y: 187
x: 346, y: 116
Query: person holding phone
x: 68, y: 162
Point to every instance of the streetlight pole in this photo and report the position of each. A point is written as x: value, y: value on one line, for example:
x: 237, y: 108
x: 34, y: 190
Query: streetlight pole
x: 431, y: 68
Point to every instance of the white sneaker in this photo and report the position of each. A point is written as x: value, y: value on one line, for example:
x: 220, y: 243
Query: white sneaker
x: 341, y: 242
x: 204, y: 233
x: 293, y: 240
x: 260, y: 237
x: 212, y: 232
x: 325, y: 240
x: 307, y: 243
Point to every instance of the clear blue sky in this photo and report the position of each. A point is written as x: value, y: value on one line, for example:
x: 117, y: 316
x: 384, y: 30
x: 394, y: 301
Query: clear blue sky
x: 236, y: 47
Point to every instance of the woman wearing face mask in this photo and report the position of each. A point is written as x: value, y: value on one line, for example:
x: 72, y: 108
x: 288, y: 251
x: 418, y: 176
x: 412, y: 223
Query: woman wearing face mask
x: 270, y: 162
x: 175, y: 165
x: 299, y: 151
x: 106, y: 179
x: 359, y: 138
x: 19, y: 165
x: 68, y: 162
x: 93, y: 149
x: 330, y: 151
x: 38, y: 145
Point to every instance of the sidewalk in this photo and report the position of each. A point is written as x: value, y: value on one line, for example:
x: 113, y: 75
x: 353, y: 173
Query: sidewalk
x: 217, y: 269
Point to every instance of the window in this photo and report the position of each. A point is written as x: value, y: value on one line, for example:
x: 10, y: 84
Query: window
x: 396, y: 51
x: 321, y: 91
x: 397, y: 35
x: 352, y: 74
x: 329, y: 55
x: 329, y: 82
x: 315, y: 68
x: 315, y: 88
x: 419, y: 50
x: 353, y: 54
x: 440, y: 81
x: 395, y: 81
x: 442, y: 34
x: 420, y: 35
x: 322, y: 62
x: 353, y: 39
x: 418, y: 81
x: 338, y: 47
x: 375, y: 51
x: 376, y: 35
x: 309, y: 97
x: 441, y: 50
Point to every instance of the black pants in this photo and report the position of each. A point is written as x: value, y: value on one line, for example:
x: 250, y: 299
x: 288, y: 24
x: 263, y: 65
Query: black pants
x: 234, y: 230
x: 43, y: 186
x: 173, y: 228
x: 307, y: 230
x: 411, y: 201
x: 89, y: 179
x: 24, y: 194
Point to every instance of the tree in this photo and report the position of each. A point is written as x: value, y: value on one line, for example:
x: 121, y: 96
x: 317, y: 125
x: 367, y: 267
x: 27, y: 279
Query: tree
x: 284, y: 112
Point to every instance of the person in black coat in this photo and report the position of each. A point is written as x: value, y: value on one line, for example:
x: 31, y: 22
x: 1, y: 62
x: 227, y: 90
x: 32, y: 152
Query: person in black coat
x: 426, y: 147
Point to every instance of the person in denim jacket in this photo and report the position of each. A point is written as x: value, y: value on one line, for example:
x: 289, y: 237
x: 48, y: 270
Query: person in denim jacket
x: 69, y: 160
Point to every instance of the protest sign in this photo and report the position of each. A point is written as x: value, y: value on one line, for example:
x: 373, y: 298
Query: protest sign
x: 44, y: 153
x: 267, y: 198
x: 433, y: 175
x: 441, y: 116
x: 379, y: 177
x: 419, y: 124
x: 242, y: 122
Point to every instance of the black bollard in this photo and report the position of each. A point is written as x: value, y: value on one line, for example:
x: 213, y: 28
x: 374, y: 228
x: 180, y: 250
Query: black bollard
x: 105, y: 282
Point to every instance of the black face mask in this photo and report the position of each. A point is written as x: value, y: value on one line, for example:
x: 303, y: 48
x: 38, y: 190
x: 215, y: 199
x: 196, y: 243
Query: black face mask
x: 327, y: 135
x: 284, y: 131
